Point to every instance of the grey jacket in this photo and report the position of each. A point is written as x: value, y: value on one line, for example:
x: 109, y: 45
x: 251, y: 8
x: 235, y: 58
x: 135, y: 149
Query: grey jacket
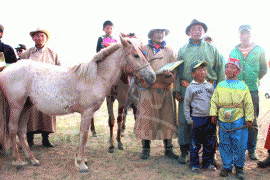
x: 197, y: 100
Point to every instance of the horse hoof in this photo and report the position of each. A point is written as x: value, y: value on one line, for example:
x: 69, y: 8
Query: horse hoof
x: 94, y: 135
x: 120, y: 147
x: 82, y: 167
x: 122, y: 135
x: 111, y: 150
x: 35, y: 162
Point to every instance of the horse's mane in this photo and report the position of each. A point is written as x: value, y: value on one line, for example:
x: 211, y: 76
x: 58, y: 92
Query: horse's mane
x: 88, y: 71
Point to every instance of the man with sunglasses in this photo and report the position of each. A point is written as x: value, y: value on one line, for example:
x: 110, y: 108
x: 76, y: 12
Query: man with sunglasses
x: 20, y: 50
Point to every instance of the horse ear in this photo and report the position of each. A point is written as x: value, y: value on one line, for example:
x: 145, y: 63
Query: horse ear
x: 123, y: 41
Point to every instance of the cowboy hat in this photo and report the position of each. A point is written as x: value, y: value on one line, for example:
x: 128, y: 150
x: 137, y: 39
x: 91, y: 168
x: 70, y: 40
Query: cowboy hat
x: 150, y: 34
x: 196, y: 22
x: 32, y: 33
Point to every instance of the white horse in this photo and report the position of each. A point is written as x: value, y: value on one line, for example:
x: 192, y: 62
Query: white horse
x: 57, y: 90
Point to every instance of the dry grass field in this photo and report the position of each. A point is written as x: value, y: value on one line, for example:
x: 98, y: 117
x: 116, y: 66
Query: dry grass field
x: 58, y: 162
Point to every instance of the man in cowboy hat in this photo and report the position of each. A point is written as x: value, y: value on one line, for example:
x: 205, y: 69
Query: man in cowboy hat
x: 195, y: 49
x: 254, y: 67
x: 39, y: 122
x: 20, y: 50
x: 156, y: 115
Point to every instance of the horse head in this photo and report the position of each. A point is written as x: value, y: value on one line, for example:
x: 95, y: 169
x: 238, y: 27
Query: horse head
x: 137, y: 63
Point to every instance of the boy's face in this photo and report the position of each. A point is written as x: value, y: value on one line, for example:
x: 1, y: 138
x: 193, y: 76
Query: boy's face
x: 199, y: 74
x: 245, y: 36
x: 231, y: 71
x: 108, y: 30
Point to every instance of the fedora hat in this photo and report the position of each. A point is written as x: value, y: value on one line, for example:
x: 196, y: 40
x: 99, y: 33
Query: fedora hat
x: 150, y: 34
x: 32, y: 33
x: 196, y: 22
x: 21, y: 46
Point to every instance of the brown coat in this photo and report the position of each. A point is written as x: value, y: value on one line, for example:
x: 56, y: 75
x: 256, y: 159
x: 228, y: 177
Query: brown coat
x: 39, y: 121
x: 156, y: 113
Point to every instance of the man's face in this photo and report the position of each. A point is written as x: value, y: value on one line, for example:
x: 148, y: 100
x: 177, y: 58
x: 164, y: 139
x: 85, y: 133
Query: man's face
x: 20, y: 52
x: 40, y: 38
x: 1, y: 34
x: 245, y: 36
x: 158, y: 36
x: 196, y: 32
x: 108, y: 30
x: 231, y: 71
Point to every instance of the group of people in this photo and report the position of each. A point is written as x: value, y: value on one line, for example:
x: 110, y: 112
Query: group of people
x: 38, y: 122
x: 209, y: 92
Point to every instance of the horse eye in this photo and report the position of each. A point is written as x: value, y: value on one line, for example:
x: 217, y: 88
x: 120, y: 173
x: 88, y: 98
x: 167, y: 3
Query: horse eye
x: 136, y: 56
x: 129, y: 42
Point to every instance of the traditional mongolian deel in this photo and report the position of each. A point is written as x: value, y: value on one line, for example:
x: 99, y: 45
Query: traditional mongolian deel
x: 39, y: 121
x: 156, y: 115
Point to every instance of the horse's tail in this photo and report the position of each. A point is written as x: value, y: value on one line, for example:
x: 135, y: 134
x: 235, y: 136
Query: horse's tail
x: 4, y: 120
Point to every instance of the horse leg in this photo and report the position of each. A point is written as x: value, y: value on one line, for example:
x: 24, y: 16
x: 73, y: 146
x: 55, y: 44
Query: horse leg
x: 22, y: 136
x: 134, y: 110
x: 13, y: 130
x: 124, y: 122
x: 84, y: 130
x: 119, y: 123
x: 110, y: 101
x: 93, y: 129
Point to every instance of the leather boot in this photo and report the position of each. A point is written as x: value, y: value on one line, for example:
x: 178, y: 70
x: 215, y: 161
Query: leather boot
x: 239, y: 173
x: 265, y: 163
x: 184, y: 153
x: 169, y: 149
x: 30, y: 139
x: 146, y: 149
x: 45, y: 140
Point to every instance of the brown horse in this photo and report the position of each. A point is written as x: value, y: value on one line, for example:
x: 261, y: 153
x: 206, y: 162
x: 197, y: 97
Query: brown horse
x: 57, y: 90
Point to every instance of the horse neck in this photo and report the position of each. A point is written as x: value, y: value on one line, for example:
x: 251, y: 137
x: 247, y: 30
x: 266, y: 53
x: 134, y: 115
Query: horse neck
x: 110, y: 69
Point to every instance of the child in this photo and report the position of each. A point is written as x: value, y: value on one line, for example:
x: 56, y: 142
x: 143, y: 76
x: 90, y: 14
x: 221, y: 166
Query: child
x: 232, y: 103
x: 106, y: 40
x: 197, y: 107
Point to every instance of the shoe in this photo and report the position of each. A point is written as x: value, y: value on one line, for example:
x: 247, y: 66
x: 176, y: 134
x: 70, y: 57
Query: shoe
x: 225, y: 172
x: 184, y: 153
x: 170, y: 154
x: 265, y: 163
x: 211, y: 168
x: 196, y: 170
x: 253, y: 156
x: 145, y: 153
x: 239, y: 173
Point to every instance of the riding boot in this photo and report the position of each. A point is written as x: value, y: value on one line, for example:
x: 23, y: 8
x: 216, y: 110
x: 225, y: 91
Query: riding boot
x: 146, y: 149
x: 30, y: 139
x: 45, y: 140
x: 184, y: 153
x: 265, y: 163
x: 169, y: 149
x: 239, y: 173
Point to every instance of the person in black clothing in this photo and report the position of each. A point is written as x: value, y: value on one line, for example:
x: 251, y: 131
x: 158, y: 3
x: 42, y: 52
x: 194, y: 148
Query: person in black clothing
x: 9, y: 55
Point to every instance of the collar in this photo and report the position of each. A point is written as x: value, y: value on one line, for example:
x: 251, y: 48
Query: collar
x: 41, y: 50
x: 195, y: 82
x: 191, y: 44
x: 152, y: 45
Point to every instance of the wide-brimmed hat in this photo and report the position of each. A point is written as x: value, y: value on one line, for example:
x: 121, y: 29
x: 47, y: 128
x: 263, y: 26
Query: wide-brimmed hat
x: 245, y: 27
x: 197, y: 64
x: 21, y: 46
x: 32, y: 33
x: 150, y: 34
x: 196, y: 22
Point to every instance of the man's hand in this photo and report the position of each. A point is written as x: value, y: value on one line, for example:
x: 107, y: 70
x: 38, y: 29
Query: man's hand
x: 249, y: 124
x: 191, y: 124
x: 179, y: 97
x: 2, y: 68
x: 185, y: 83
x: 214, y: 119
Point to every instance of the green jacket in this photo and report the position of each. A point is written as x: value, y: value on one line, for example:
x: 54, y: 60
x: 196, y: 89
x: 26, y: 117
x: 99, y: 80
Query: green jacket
x: 204, y: 52
x: 254, y: 66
